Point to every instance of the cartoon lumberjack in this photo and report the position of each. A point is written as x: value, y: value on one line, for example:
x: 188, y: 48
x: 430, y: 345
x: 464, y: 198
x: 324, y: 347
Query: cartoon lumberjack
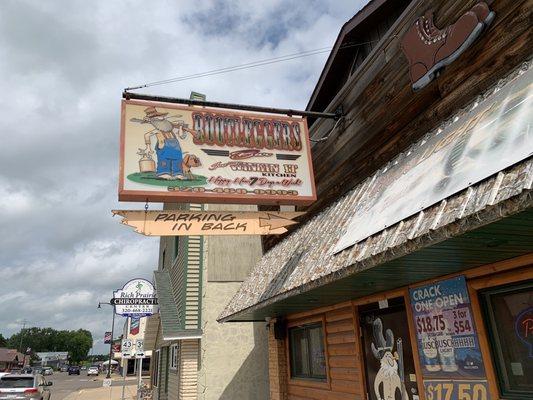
x: 168, y: 149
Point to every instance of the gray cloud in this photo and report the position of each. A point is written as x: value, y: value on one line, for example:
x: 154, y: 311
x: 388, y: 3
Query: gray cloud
x: 63, y: 67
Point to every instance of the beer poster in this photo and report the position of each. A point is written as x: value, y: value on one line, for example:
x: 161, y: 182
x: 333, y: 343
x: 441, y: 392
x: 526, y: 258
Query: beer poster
x: 173, y: 153
x: 448, y: 346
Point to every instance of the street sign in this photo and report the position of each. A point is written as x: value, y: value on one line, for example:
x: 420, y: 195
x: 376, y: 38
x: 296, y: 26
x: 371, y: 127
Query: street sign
x: 188, y: 154
x: 136, y: 299
x: 139, y: 348
x: 107, y: 383
x: 183, y: 223
x: 127, y: 347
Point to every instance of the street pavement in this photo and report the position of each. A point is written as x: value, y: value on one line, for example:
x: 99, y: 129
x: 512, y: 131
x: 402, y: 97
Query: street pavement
x: 82, y: 387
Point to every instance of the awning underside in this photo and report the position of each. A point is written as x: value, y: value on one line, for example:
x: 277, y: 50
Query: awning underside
x: 505, y: 239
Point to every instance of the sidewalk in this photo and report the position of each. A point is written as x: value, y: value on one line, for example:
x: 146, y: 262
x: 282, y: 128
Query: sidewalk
x: 105, y: 393
x: 116, y: 378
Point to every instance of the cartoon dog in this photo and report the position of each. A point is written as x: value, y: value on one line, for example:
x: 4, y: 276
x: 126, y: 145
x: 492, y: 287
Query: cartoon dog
x: 190, y: 161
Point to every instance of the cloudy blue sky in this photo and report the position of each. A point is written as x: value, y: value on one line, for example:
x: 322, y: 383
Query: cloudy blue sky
x: 63, y: 66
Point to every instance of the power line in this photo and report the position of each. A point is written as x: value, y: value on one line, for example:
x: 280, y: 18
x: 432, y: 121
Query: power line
x: 249, y: 65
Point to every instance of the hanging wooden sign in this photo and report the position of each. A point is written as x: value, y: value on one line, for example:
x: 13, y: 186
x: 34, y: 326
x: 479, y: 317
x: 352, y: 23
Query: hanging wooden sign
x: 190, y: 154
x: 185, y: 223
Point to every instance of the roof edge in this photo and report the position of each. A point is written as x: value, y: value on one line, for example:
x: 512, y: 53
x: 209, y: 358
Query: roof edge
x: 346, y: 28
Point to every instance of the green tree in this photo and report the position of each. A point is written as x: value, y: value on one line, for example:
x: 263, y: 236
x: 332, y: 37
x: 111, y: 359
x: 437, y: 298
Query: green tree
x: 3, y: 341
x: 77, y: 343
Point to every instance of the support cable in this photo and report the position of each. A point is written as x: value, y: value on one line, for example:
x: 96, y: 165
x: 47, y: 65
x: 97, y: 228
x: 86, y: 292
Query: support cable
x: 249, y: 65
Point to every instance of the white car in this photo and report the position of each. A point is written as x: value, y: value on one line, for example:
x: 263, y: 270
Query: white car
x: 24, y: 386
x: 93, y: 371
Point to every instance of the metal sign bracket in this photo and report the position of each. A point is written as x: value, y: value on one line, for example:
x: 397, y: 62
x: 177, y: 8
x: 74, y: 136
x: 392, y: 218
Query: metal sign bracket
x: 284, y: 111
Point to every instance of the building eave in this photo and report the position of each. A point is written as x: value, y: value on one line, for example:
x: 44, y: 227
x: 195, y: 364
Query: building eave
x: 348, y: 26
x: 377, y: 272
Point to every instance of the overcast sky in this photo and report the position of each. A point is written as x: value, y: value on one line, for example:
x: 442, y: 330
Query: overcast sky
x: 63, y: 66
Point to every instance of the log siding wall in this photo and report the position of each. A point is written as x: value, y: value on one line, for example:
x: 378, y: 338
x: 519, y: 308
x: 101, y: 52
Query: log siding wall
x: 345, y: 363
x: 342, y: 351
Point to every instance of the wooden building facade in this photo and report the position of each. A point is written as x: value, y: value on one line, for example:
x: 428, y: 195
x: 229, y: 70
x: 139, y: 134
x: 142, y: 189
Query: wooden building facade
x: 411, y: 277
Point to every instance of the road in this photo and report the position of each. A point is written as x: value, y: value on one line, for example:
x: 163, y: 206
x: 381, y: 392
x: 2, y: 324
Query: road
x: 63, y: 384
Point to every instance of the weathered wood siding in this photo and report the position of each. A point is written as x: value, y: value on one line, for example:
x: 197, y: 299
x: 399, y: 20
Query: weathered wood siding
x: 355, y: 45
x: 384, y: 116
x: 343, y: 358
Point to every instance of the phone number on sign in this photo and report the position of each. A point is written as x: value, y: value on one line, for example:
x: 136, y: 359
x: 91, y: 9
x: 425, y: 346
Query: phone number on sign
x: 220, y: 190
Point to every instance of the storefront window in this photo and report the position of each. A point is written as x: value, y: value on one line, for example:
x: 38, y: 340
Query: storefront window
x: 306, y: 344
x: 509, y: 319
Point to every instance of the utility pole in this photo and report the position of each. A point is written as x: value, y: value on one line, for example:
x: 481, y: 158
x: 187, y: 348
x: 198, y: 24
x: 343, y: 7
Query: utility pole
x: 111, y: 343
x: 24, y: 322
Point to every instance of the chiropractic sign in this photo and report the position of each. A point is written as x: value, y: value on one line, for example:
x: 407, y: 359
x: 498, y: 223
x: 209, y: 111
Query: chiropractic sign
x: 172, y: 153
x: 136, y: 299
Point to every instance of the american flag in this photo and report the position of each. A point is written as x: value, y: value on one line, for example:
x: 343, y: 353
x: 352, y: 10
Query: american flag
x: 107, y: 337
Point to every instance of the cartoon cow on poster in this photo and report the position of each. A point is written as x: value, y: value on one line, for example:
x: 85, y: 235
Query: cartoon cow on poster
x: 391, y: 365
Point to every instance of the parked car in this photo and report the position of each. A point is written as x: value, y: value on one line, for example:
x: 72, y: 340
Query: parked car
x: 47, y: 371
x: 37, y: 370
x: 83, y: 368
x: 24, y: 386
x: 93, y: 371
x: 63, y: 368
x: 73, y: 370
x: 27, y: 370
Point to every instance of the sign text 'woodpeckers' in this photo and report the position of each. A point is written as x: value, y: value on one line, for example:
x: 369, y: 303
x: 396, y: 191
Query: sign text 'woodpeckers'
x: 172, y: 153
